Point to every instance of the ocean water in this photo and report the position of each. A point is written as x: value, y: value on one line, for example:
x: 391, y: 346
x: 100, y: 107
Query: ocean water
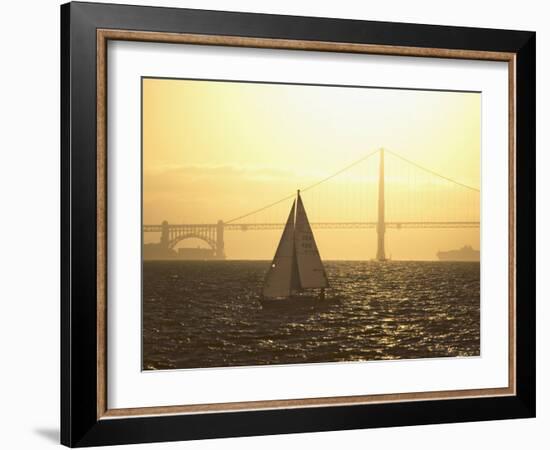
x: 206, y: 314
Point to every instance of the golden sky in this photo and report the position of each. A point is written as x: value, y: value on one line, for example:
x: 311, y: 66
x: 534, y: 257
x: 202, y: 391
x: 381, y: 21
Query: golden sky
x: 217, y: 150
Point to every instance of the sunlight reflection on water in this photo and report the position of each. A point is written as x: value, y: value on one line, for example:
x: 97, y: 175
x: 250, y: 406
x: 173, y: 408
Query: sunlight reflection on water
x: 206, y: 314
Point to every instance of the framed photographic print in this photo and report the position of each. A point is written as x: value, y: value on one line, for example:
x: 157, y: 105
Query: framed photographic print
x: 277, y: 224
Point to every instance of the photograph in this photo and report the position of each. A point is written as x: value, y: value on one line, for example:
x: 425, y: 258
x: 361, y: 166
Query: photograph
x: 285, y: 222
x: 302, y: 223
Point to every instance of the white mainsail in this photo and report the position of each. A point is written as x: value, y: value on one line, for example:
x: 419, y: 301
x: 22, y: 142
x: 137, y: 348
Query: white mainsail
x: 310, y: 267
x: 281, y: 277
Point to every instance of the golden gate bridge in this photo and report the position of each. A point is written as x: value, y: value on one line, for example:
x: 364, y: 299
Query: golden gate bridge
x: 420, y: 198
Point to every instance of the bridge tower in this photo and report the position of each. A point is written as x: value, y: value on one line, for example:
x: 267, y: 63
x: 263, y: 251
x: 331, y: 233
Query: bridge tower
x: 381, y: 226
x: 165, y: 235
x: 220, y: 245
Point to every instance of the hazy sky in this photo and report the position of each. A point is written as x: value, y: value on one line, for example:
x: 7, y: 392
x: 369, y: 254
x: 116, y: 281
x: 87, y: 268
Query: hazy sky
x: 217, y: 150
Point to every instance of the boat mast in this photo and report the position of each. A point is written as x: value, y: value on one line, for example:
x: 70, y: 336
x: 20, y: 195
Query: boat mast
x: 297, y: 200
x: 295, y: 275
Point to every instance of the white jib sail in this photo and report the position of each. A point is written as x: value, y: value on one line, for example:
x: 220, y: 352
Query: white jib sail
x: 310, y: 267
x: 278, y: 281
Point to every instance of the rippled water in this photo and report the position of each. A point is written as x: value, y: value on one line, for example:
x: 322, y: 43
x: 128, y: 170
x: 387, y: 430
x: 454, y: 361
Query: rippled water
x: 206, y: 314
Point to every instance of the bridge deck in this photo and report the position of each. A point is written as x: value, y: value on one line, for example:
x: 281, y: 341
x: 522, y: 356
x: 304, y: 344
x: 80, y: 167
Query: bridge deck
x: 321, y: 225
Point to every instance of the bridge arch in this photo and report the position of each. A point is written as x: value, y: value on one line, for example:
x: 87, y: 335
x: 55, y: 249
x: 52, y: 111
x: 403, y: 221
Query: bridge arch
x: 176, y: 240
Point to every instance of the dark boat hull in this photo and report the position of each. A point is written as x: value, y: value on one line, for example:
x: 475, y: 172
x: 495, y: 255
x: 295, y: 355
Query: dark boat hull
x: 297, y: 302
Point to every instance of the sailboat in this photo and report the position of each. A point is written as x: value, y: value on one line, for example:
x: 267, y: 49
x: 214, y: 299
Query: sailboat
x: 297, y: 269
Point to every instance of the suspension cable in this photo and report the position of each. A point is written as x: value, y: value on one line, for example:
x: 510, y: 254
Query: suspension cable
x: 431, y: 171
x: 349, y: 166
x: 311, y: 186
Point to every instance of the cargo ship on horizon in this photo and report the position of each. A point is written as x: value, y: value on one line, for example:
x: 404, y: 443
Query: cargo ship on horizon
x: 466, y: 253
